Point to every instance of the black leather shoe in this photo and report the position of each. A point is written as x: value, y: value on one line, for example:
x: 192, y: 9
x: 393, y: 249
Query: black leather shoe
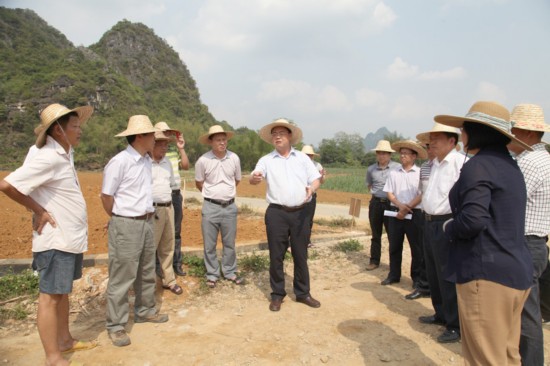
x: 449, y: 336
x: 275, y: 304
x: 388, y: 281
x: 431, y: 319
x: 309, y: 301
x: 179, y: 271
x: 416, y: 294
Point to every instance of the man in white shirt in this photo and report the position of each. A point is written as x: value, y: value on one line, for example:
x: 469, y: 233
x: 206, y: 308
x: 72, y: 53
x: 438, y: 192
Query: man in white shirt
x: 291, y: 181
x: 127, y: 198
x: 163, y: 183
x: 217, y: 174
x: 435, y: 203
x: 48, y: 185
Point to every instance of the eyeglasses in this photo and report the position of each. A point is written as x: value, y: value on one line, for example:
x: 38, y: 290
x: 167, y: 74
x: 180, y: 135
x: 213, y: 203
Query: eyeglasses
x: 279, y: 134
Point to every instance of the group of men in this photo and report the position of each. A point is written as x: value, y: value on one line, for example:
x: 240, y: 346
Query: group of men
x: 141, y: 194
x: 412, y: 201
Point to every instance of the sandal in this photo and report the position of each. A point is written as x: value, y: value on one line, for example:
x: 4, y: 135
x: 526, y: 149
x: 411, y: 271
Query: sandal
x: 211, y: 283
x: 236, y: 280
x: 176, y: 289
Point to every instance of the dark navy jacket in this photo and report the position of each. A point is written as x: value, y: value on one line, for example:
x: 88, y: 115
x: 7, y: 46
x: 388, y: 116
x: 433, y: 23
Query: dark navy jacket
x: 487, y: 233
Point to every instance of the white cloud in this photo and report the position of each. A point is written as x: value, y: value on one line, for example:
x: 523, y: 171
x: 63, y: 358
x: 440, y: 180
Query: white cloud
x: 400, y: 70
x: 383, y: 16
x: 409, y: 108
x: 489, y: 91
x: 452, y: 74
x: 302, y: 96
x: 370, y: 98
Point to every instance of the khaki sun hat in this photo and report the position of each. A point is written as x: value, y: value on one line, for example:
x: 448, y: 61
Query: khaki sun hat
x: 424, y: 137
x: 265, y: 132
x: 137, y: 125
x: 529, y: 117
x: 411, y: 145
x: 383, y: 145
x: 212, y: 131
x: 491, y: 114
x: 308, y: 150
x: 163, y: 126
x: 161, y: 136
x: 52, y: 113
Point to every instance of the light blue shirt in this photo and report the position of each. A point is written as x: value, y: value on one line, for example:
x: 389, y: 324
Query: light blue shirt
x: 287, y: 178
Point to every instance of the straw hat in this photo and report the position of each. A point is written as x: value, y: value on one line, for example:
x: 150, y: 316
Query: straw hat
x: 411, y: 145
x: 52, y: 113
x: 529, y: 117
x: 424, y: 137
x: 212, y: 131
x: 163, y: 126
x: 308, y: 150
x: 265, y: 132
x: 137, y: 125
x: 490, y: 114
x: 161, y: 136
x: 383, y: 145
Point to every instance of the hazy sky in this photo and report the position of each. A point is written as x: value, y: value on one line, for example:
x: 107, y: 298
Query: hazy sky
x: 341, y: 65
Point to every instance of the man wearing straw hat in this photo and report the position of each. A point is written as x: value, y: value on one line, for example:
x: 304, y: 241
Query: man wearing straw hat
x: 179, y: 160
x: 402, y: 187
x: 163, y: 183
x: 435, y: 203
x: 291, y: 180
x: 217, y: 174
x: 126, y: 195
x: 377, y: 174
x: 529, y: 127
x: 308, y: 150
x: 48, y: 185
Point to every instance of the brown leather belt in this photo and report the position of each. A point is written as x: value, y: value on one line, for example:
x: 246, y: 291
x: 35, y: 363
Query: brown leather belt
x: 437, y: 217
x: 147, y: 216
x: 219, y: 202
x: 287, y: 208
x: 162, y: 204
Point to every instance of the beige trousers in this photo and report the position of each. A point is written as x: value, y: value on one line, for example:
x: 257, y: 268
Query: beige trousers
x: 164, y: 242
x: 490, y: 322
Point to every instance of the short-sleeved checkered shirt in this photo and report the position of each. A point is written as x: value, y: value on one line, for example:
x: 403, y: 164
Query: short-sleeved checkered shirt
x: 535, y: 167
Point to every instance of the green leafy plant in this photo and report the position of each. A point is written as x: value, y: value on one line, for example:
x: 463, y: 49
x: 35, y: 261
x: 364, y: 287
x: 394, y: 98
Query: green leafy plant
x: 254, y: 263
x: 336, y: 222
x: 351, y: 245
x: 195, y: 265
x: 14, y: 285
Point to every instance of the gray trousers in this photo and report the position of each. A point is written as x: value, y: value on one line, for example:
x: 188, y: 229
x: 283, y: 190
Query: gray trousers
x: 531, y: 347
x: 131, y: 263
x: 217, y: 219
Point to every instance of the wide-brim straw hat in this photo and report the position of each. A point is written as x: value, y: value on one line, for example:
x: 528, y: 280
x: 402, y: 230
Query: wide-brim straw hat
x: 52, y: 113
x: 212, y: 131
x: 163, y: 126
x: 424, y: 137
x: 383, y: 145
x: 137, y: 125
x: 529, y: 117
x: 265, y: 132
x: 160, y: 136
x: 411, y: 145
x: 491, y: 114
x: 308, y: 150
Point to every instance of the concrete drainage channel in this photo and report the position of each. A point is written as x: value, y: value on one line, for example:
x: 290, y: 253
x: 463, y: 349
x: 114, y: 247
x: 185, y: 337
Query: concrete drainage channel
x: 19, y: 265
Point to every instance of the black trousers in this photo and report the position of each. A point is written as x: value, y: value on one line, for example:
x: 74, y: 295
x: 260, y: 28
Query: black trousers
x: 283, y: 229
x: 422, y: 283
x: 177, y: 202
x: 396, y: 235
x: 376, y: 220
x: 544, y: 288
x: 442, y: 292
x: 310, y: 208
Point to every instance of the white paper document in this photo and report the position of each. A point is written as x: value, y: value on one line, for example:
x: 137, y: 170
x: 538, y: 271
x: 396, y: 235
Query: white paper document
x: 394, y: 214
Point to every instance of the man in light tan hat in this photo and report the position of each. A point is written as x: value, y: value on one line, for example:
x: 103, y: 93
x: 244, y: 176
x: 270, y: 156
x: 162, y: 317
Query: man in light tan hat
x: 163, y: 183
x: 308, y: 150
x: 126, y: 195
x: 529, y: 127
x: 179, y: 160
x: 48, y: 186
x: 377, y: 174
x: 291, y: 180
x: 217, y: 174
x: 435, y: 203
x: 403, y: 189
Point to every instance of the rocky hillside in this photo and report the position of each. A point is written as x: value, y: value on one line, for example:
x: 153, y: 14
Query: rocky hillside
x: 129, y: 71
